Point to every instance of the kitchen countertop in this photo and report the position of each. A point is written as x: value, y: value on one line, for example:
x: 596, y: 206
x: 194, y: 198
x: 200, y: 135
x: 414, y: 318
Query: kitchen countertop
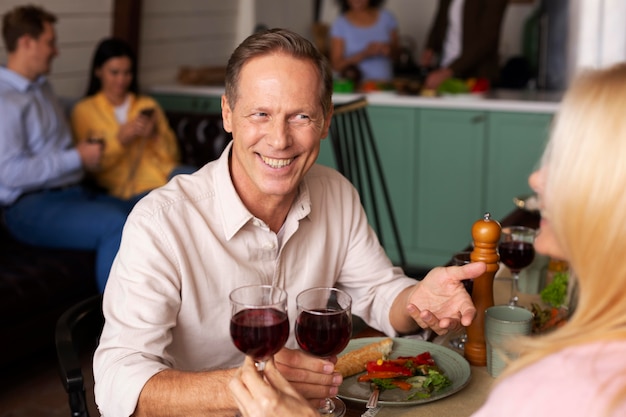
x: 525, y: 101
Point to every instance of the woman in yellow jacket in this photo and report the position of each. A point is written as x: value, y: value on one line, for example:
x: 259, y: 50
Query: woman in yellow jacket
x: 140, y: 149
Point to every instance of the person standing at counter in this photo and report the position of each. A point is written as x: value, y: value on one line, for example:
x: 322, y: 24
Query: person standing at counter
x: 264, y: 212
x: 140, y: 150
x: 365, y: 35
x: 463, y: 41
x: 578, y: 369
x: 41, y: 194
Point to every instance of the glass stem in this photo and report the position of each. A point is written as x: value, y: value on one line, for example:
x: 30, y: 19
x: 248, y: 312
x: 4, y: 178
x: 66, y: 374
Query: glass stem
x: 328, y: 408
x: 260, y: 365
x: 514, y: 281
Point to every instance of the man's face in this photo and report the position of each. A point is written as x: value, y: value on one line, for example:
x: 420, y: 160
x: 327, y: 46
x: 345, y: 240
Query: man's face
x: 41, y: 51
x: 277, y: 125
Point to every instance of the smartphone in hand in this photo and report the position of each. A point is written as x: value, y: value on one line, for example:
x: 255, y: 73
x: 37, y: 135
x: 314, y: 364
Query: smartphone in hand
x: 147, y: 112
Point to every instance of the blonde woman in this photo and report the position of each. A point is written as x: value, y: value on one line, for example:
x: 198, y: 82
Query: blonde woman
x: 579, y: 369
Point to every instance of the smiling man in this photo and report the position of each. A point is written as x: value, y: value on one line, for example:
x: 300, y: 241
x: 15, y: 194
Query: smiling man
x: 263, y: 213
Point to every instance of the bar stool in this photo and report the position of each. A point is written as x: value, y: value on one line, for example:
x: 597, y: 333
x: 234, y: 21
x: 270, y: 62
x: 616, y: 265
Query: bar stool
x: 356, y: 157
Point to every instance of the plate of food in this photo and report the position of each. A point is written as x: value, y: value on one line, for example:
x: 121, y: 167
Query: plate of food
x: 432, y: 371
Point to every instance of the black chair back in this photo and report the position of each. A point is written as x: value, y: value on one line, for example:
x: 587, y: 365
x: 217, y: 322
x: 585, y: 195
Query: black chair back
x: 76, y: 335
x: 357, y: 158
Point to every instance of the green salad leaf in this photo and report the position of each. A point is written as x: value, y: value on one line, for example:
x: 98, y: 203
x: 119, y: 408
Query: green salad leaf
x: 433, y: 382
x: 555, y: 293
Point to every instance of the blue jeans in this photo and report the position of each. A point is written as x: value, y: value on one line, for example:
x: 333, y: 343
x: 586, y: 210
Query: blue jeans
x: 71, y: 218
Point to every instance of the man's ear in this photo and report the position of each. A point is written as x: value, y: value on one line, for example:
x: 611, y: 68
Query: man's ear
x: 327, y: 121
x: 24, y: 41
x: 227, y: 115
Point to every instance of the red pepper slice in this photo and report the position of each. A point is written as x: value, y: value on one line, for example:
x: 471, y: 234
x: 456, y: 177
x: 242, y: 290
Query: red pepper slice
x: 421, y: 359
x: 403, y: 385
x: 387, y: 366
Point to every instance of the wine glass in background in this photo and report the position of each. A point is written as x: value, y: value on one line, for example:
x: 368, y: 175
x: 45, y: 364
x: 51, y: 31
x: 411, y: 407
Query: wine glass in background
x: 323, y: 328
x: 460, y: 259
x: 259, y: 324
x: 516, y: 251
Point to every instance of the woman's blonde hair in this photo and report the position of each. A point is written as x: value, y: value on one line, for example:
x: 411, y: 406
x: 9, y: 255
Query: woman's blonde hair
x: 584, y: 168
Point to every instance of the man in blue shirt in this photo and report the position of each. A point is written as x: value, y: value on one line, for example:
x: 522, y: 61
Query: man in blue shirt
x: 43, y: 201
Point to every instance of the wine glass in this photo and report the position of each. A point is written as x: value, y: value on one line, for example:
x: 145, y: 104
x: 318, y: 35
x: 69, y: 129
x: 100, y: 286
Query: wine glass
x: 460, y: 259
x: 323, y: 328
x: 259, y: 324
x: 516, y: 251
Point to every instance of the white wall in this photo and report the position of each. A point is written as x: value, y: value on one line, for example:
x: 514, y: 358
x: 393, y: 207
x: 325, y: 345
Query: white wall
x: 185, y: 33
x: 173, y: 33
x: 597, y: 35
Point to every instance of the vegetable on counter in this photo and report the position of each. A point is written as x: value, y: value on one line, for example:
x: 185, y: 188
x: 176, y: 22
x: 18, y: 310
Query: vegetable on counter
x: 459, y: 86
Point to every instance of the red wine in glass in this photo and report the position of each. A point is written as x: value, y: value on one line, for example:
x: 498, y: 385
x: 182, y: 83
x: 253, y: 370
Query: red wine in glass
x: 323, y: 329
x: 516, y: 255
x: 259, y: 332
x: 323, y: 332
x: 517, y: 251
x: 259, y: 324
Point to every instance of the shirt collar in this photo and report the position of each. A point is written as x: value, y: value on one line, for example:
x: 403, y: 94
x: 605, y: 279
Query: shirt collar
x: 18, y: 81
x: 234, y: 213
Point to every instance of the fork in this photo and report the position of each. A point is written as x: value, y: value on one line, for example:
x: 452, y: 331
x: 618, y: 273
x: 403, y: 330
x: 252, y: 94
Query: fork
x: 372, y: 402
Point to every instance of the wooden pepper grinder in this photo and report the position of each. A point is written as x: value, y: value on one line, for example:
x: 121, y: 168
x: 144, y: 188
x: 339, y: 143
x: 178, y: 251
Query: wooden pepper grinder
x: 486, y: 235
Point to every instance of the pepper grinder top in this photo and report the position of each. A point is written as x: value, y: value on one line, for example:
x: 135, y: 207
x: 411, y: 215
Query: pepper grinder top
x: 486, y: 235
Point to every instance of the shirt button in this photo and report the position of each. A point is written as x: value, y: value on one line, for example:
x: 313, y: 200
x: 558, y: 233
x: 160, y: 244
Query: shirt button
x: 269, y: 245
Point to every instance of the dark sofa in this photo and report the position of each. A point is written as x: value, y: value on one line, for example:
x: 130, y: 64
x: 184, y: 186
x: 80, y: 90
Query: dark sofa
x: 37, y: 284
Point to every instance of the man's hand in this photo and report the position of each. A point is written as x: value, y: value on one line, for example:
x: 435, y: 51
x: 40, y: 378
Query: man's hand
x: 440, y: 301
x: 90, y: 154
x: 312, y: 377
x: 437, y: 77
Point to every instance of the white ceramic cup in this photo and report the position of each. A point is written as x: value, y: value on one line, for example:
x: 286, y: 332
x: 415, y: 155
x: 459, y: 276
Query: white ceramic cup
x: 503, y: 322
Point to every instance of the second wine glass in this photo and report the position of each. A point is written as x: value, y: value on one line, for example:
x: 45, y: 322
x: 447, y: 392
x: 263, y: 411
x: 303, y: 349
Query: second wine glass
x: 323, y: 328
x: 259, y: 324
x: 517, y: 251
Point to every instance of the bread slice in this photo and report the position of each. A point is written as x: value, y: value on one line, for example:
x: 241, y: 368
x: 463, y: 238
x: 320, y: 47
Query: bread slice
x: 355, y: 361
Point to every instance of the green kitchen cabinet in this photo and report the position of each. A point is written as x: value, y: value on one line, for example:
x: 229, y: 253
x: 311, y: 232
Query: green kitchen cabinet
x: 450, y: 191
x: 516, y: 142
x: 395, y: 131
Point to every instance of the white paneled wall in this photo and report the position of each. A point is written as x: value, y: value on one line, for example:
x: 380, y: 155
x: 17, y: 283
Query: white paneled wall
x: 81, y: 24
x: 173, y: 33
x: 185, y: 32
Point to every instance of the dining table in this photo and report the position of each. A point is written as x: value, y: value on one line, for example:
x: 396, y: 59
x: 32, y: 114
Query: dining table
x: 469, y: 399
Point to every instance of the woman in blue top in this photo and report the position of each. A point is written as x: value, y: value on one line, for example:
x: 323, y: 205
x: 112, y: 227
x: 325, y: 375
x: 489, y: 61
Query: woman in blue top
x: 364, y: 35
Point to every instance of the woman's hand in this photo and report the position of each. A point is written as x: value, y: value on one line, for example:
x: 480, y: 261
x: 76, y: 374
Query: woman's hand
x: 314, y: 378
x: 267, y: 393
x: 377, y: 49
x: 140, y: 126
